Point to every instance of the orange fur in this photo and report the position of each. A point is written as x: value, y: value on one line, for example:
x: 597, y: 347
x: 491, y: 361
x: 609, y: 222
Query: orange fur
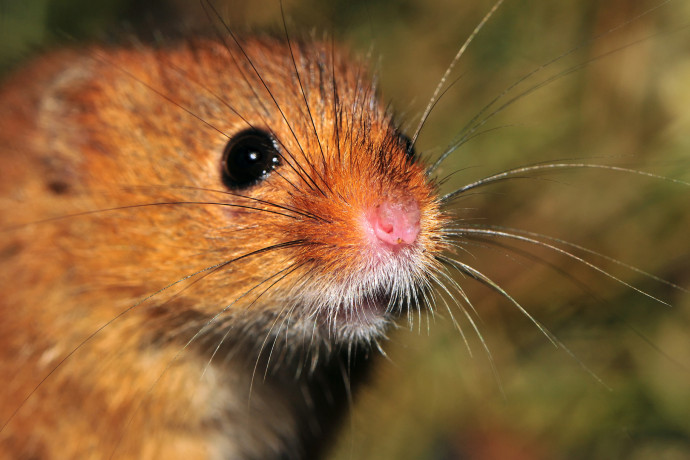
x: 105, y: 128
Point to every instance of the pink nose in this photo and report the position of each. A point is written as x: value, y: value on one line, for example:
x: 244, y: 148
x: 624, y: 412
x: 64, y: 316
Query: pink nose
x: 396, y: 222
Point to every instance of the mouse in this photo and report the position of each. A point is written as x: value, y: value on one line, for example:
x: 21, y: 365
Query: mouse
x: 324, y: 228
x: 206, y: 255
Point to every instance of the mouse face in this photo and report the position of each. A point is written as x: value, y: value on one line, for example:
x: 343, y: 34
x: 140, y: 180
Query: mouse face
x: 251, y: 176
x: 260, y: 201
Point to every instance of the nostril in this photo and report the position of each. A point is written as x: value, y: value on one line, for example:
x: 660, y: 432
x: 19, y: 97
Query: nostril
x: 384, y: 220
x: 396, y: 223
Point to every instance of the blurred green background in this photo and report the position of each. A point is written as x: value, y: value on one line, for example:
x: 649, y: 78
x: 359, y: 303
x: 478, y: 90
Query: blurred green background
x: 628, y: 106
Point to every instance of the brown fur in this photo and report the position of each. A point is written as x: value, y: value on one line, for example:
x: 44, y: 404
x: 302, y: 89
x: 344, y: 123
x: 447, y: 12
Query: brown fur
x: 103, y: 128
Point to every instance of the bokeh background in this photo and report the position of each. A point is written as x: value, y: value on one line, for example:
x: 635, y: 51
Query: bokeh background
x: 623, y: 388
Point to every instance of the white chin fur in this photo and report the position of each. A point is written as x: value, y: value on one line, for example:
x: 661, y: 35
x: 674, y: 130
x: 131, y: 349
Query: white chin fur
x: 359, y: 308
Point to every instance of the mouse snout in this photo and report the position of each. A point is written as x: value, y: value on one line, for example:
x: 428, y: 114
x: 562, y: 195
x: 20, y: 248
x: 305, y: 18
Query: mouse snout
x: 396, y: 222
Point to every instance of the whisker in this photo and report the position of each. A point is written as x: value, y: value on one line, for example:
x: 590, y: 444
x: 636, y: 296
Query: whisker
x: 590, y: 251
x: 473, y: 125
x: 188, y: 111
x: 242, y: 117
x: 452, y: 316
x: 296, y: 167
x: 458, y: 288
x: 270, y: 93
x: 469, y: 230
x: 284, y: 207
x: 656, y: 348
x: 301, y: 87
x: 289, y: 270
x: 284, y: 322
x: 458, y: 55
x: 217, y: 96
x: 474, y: 135
x: 473, y: 323
x: 479, y: 276
x: 337, y: 115
x: 174, y: 359
x: 139, y: 206
x: 541, y: 167
x: 494, y: 245
x: 268, y: 335
x: 96, y: 332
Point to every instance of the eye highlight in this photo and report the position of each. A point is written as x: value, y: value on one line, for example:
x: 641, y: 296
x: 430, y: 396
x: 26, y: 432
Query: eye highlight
x: 248, y: 158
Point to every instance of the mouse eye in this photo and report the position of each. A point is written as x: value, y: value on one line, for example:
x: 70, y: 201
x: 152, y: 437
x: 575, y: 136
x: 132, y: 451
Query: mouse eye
x: 248, y: 158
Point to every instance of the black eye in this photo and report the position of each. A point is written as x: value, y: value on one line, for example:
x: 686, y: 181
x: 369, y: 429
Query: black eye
x: 248, y: 158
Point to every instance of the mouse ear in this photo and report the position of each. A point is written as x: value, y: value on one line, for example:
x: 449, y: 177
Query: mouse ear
x: 248, y: 158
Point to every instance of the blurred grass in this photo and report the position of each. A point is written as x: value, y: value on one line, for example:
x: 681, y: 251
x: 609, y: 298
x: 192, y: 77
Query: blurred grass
x: 631, y: 108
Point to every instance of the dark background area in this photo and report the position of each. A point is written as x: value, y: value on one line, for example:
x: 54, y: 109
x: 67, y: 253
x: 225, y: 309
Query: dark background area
x: 628, y: 106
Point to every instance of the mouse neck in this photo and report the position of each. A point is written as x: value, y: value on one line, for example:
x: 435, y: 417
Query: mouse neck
x: 289, y: 406
x: 261, y: 395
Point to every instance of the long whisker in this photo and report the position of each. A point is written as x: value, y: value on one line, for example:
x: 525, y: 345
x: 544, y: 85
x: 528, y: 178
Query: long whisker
x: 223, y: 101
x: 139, y: 206
x: 267, y: 337
x: 479, y: 276
x: 475, y: 135
x: 284, y: 207
x: 174, y: 359
x: 483, y: 231
x: 495, y: 245
x: 589, y: 251
x: 168, y: 98
x: 294, y: 164
x: 97, y: 331
x: 336, y: 107
x: 211, y: 268
x: 475, y: 327
x: 473, y: 124
x: 282, y: 275
x: 445, y: 289
x: 190, y: 112
x: 301, y: 86
x: 270, y: 93
x: 181, y: 71
x: 511, y: 173
x: 584, y: 287
x: 451, y: 66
